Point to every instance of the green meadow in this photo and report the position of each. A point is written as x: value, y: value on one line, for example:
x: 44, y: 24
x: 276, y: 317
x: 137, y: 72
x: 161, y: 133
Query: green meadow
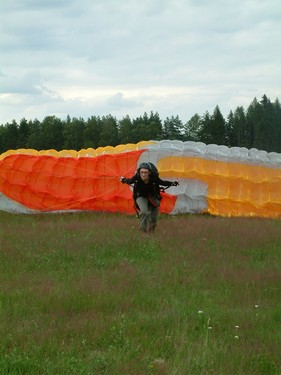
x: 88, y: 294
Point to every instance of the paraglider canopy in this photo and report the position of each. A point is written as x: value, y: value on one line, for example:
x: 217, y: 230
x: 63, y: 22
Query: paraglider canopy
x: 214, y: 179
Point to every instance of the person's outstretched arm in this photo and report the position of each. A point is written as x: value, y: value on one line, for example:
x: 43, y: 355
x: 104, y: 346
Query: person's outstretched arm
x: 167, y: 183
x: 128, y: 181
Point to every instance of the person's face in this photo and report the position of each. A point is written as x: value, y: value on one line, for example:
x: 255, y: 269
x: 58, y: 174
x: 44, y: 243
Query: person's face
x: 144, y: 173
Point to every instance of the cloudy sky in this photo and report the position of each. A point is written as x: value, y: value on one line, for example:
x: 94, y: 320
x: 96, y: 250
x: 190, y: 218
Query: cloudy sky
x: 127, y: 57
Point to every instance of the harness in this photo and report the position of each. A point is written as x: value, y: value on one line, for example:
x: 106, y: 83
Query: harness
x: 157, y: 194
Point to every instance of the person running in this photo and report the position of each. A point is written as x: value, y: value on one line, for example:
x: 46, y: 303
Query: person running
x: 146, y: 194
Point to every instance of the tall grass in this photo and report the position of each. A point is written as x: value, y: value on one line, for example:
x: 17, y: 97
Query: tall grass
x: 88, y: 294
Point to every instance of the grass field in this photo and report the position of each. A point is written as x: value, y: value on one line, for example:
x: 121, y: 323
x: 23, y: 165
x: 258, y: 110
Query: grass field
x: 88, y: 294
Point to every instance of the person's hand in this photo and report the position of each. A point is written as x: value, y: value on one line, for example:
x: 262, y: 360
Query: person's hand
x: 175, y: 183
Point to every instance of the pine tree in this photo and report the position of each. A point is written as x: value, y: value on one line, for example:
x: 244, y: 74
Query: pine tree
x: 109, y: 131
x: 193, y: 128
x: 173, y: 128
x: 92, y: 132
x: 125, y: 127
x: 213, y: 128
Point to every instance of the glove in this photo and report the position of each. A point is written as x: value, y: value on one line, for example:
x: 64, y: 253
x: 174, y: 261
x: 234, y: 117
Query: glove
x: 175, y: 183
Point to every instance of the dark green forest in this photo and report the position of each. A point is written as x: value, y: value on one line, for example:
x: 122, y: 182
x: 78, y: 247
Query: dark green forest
x: 258, y: 126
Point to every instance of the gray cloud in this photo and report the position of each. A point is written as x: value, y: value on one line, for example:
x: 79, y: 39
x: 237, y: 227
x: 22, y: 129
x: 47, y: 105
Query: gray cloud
x: 127, y: 57
x: 119, y: 101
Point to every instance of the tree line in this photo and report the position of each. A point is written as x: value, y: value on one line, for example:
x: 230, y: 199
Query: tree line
x: 259, y: 126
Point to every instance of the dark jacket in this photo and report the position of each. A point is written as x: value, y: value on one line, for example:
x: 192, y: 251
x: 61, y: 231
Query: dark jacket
x: 149, y: 189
